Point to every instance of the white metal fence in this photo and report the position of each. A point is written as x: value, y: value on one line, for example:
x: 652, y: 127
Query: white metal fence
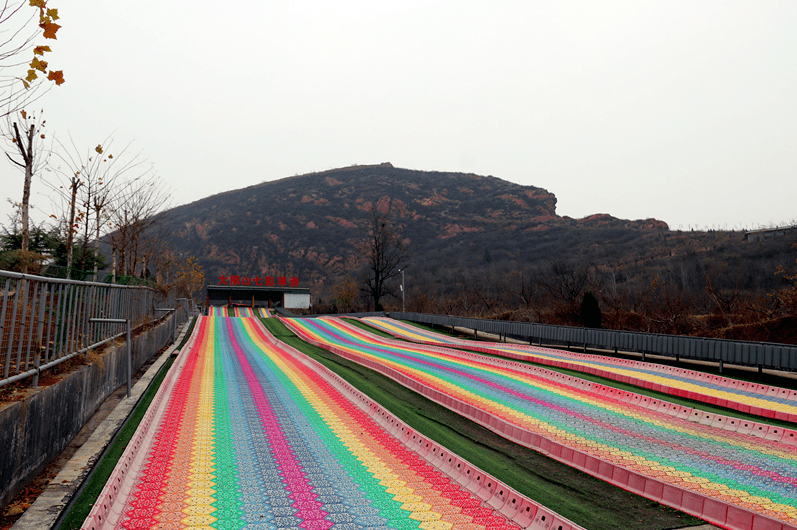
x: 45, y: 321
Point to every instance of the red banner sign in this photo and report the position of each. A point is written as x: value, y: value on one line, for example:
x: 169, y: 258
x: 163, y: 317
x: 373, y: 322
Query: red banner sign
x: 257, y: 281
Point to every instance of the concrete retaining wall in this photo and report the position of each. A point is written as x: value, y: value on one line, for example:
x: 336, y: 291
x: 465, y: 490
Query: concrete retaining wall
x: 37, y: 429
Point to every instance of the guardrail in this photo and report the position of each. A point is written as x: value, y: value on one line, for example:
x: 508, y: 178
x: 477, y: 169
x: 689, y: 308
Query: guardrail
x: 46, y: 321
x: 756, y: 354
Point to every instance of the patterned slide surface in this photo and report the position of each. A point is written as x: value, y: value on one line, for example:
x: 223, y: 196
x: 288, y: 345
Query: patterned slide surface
x: 250, y: 437
x: 234, y: 311
x: 770, y: 402
x: 757, y: 475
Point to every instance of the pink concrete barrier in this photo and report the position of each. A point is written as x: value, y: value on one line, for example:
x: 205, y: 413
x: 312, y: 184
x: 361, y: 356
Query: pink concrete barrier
x: 653, y: 489
x: 745, y: 427
x: 544, y: 445
x: 707, y: 419
x: 499, y: 498
x: 738, y: 518
x: 695, y: 416
x: 759, y: 430
x: 525, y: 514
x: 789, y: 437
x: 447, y: 464
x: 719, y: 421
x: 542, y: 521
x: 511, y: 507
x: 714, y: 511
x: 433, y: 454
x: 636, y: 483
x: 691, y: 502
x: 488, y: 489
x: 467, y: 474
x: 732, y: 424
x: 605, y: 470
x: 761, y: 522
x: 774, y: 433
x: 665, y: 407
x: 477, y: 483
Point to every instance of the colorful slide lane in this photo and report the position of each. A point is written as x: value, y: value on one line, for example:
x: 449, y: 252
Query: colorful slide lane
x: 238, y: 311
x: 729, y: 478
x: 244, y: 434
x: 751, y: 398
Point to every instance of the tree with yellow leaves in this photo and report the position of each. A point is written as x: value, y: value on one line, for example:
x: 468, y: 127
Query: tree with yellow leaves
x: 21, y: 29
x: 345, y: 293
x: 189, y: 277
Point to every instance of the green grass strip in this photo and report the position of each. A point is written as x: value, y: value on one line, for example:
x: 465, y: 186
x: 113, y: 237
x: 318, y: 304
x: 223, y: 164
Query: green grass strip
x: 574, y: 494
x: 83, y: 504
x: 187, y: 334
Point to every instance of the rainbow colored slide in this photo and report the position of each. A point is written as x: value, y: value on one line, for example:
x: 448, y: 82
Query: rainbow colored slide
x: 730, y: 475
x: 239, y: 311
x: 247, y: 433
x: 752, y: 398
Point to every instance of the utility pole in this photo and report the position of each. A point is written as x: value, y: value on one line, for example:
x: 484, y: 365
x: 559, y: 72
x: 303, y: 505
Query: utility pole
x: 403, y: 292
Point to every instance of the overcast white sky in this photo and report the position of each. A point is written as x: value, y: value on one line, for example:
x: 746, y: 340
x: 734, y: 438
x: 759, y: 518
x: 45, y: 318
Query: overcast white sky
x: 681, y: 110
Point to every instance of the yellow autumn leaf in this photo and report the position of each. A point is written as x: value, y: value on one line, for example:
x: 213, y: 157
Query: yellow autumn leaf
x: 38, y: 65
x: 57, y: 76
x: 50, y: 29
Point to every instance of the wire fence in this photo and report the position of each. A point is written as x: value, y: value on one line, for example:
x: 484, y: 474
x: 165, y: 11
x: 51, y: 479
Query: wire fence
x: 46, y: 321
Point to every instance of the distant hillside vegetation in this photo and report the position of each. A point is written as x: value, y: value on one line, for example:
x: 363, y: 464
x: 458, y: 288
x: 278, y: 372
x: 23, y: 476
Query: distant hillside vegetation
x: 481, y: 246
x: 311, y: 225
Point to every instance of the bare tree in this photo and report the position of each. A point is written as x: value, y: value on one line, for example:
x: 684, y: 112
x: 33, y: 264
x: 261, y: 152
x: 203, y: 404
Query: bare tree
x: 387, y: 253
x: 133, y: 211
x: 98, y: 174
x: 525, y: 286
x: 566, y: 282
x: 25, y: 134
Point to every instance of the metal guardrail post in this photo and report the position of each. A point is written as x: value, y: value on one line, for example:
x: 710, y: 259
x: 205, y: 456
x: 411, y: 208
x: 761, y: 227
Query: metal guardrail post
x: 129, y: 354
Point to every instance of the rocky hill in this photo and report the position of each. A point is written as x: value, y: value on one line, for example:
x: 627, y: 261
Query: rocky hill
x: 311, y: 225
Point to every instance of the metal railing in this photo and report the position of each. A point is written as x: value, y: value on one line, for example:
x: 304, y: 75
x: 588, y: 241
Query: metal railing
x: 45, y: 321
x: 756, y: 354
